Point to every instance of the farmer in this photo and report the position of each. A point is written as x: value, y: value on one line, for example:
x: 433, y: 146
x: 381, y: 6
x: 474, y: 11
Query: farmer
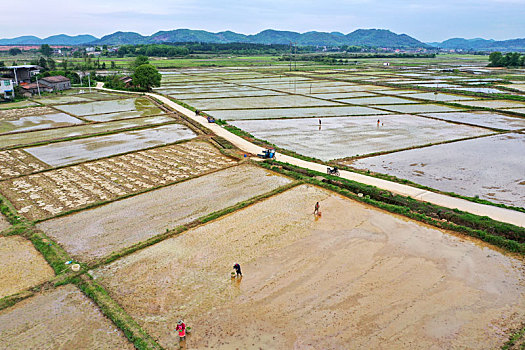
x: 316, y: 209
x: 319, y: 122
x: 378, y: 121
x: 181, y: 327
x: 237, y: 269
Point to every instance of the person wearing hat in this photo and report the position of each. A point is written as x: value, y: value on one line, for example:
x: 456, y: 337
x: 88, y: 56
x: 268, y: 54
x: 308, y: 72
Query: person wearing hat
x: 181, y: 328
x: 237, y: 268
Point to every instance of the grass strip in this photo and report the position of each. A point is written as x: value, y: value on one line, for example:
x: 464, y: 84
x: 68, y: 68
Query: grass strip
x: 111, y: 309
x: 9, y: 211
x: 503, y: 235
x: 514, y: 338
x: 11, y: 300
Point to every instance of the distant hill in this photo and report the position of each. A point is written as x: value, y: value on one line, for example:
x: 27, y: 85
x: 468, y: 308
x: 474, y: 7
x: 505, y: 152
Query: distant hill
x: 362, y: 37
x: 61, y: 39
x: 479, y: 44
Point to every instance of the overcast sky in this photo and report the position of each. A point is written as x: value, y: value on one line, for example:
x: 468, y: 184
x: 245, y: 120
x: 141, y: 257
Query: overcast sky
x: 426, y: 20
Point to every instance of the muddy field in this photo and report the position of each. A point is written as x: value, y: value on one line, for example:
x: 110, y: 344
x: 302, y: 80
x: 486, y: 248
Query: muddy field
x: 281, y: 113
x: 351, y: 136
x: 95, y: 233
x: 48, y: 193
x: 489, y: 167
x: 17, y: 162
x: 37, y: 122
x: 31, y: 137
x: 3, y: 223
x: 22, y: 266
x: 483, y: 119
x: 110, y: 106
x: 354, y: 278
x: 58, y: 319
x: 259, y: 102
x: 69, y: 152
x: 15, y: 114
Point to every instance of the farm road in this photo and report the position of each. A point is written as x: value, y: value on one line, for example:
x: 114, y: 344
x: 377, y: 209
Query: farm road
x: 496, y: 213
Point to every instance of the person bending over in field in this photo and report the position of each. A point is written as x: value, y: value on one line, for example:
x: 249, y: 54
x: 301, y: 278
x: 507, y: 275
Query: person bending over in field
x: 316, y: 208
x: 237, y: 269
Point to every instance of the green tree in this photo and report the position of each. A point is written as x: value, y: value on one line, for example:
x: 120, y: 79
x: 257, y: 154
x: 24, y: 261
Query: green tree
x: 139, y: 61
x: 113, y: 65
x: 14, y: 51
x: 51, y: 63
x: 64, y: 64
x: 495, y: 59
x: 146, y: 76
x: 46, y: 50
x: 42, y: 62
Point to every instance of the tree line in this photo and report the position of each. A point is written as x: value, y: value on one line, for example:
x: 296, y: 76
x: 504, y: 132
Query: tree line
x: 510, y: 59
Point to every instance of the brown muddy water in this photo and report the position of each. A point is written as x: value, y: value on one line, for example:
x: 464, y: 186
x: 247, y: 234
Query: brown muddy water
x: 492, y: 168
x: 22, y: 266
x: 62, y: 318
x: 354, y: 278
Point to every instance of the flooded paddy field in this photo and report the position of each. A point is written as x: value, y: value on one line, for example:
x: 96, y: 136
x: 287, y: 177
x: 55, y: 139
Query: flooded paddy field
x: 31, y: 137
x: 37, y: 122
x: 342, y: 137
x: 489, y: 167
x: 432, y: 96
x: 380, y: 100
x: 483, y: 119
x: 372, y: 279
x: 338, y: 95
x: 49, y: 193
x: 62, y: 318
x: 22, y: 266
x: 259, y: 102
x: 419, y: 108
x: 97, y: 232
x: 305, y: 88
x: 281, y: 113
x: 68, y: 152
x: 225, y: 94
x: 111, y: 106
x: 497, y: 104
x: 56, y: 100
x: 17, y: 162
x: 123, y: 115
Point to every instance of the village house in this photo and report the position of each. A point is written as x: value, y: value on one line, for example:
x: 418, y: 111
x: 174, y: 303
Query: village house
x: 28, y: 90
x: 58, y: 82
x: 7, y: 88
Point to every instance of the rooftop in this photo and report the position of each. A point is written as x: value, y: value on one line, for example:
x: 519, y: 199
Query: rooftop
x: 55, y: 79
x: 26, y: 66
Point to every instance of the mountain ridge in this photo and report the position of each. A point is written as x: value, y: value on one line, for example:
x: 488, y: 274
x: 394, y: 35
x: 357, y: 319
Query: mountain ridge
x: 360, y: 37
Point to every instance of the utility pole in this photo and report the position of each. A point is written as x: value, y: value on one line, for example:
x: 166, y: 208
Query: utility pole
x: 290, y: 56
x: 38, y: 86
x: 89, y: 82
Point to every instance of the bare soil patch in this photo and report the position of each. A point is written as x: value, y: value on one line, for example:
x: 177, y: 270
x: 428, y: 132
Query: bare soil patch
x: 49, y: 193
x: 18, y: 162
x: 97, y: 232
x: 58, y: 319
x: 355, y: 278
x: 22, y: 266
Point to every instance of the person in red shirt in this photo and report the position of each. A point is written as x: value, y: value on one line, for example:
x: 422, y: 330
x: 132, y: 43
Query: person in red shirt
x: 181, y: 328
